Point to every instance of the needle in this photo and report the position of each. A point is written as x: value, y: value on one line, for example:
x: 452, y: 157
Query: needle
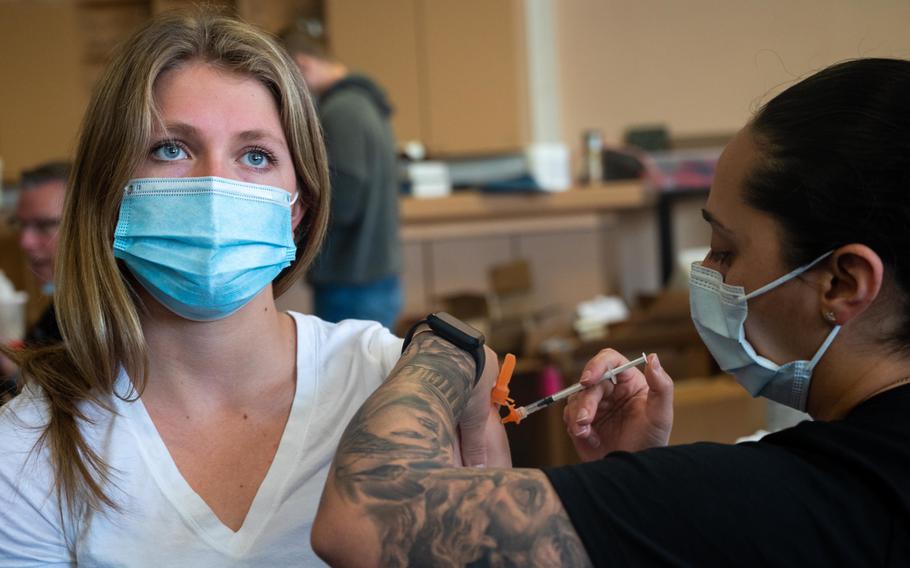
x: 524, y: 411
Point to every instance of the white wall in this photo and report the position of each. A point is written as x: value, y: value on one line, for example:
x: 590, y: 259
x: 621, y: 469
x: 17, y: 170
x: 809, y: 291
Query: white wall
x: 704, y: 65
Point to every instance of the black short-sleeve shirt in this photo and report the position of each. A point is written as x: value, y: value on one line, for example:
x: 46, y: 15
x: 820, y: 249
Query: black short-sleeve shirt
x: 818, y: 494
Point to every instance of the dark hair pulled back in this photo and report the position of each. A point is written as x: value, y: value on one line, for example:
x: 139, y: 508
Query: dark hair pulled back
x: 835, y: 166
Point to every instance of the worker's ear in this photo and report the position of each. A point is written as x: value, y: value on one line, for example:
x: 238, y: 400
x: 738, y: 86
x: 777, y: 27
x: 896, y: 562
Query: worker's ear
x: 851, y: 283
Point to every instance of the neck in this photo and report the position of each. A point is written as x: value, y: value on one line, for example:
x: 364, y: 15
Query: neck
x: 334, y: 73
x: 852, y: 372
x: 226, y: 361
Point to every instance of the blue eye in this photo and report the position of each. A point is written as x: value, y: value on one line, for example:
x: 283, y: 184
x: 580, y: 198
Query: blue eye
x: 169, y: 152
x: 258, y: 159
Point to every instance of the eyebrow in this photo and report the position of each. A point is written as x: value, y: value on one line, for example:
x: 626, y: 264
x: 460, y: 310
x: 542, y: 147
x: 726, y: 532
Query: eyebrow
x: 187, y: 130
x: 253, y: 135
x: 710, y: 218
x: 180, y: 129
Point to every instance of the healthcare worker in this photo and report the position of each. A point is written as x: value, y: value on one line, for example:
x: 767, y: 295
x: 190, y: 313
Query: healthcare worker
x: 803, y: 299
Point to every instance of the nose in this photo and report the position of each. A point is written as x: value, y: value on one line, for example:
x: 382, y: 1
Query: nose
x: 29, y: 239
x: 209, y: 167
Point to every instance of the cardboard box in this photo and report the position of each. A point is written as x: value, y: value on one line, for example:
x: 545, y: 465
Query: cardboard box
x: 659, y: 324
x: 715, y: 409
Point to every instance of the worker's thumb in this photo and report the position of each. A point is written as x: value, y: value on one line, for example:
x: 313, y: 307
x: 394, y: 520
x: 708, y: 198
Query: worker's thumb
x: 660, y: 393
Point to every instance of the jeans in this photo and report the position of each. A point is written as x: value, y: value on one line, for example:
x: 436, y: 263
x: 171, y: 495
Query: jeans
x: 377, y: 301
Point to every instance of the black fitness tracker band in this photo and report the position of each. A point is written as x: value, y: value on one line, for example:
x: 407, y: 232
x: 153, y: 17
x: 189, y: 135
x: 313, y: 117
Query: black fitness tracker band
x: 456, y: 332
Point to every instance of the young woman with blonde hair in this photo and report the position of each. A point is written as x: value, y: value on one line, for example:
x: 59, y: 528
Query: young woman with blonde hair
x: 185, y: 421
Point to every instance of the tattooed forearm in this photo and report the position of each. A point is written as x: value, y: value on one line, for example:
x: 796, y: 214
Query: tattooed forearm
x: 447, y: 368
x: 394, y: 467
x: 461, y: 516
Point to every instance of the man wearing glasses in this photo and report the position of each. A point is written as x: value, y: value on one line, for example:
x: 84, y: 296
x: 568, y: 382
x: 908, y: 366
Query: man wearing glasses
x: 36, y: 221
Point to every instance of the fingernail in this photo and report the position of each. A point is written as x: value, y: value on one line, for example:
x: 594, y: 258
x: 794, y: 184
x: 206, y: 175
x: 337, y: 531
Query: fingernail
x: 594, y: 441
x: 585, y: 376
x: 582, y: 414
x: 479, y: 465
x: 582, y: 430
x: 655, y: 362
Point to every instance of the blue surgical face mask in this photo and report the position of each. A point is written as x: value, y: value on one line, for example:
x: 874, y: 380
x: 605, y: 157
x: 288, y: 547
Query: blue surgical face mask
x: 719, y: 312
x: 204, y: 247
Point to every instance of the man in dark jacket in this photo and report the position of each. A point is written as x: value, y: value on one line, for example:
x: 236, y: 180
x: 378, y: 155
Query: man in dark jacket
x: 357, y: 274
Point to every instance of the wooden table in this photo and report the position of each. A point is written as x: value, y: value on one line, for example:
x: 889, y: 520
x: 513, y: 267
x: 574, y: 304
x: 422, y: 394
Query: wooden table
x: 476, y: 206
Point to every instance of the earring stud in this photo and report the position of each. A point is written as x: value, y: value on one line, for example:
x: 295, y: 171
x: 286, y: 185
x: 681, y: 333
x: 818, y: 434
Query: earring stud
x: 830, y: 317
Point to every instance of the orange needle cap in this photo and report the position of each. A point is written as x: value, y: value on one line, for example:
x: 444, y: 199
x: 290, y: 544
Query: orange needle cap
x: 500, y: 394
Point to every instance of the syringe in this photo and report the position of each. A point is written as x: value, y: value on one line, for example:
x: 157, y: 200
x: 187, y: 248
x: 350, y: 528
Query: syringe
x: 523, y: 412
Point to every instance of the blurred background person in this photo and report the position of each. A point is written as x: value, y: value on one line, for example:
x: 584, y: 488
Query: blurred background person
x: 36, y: 220
x: 357, y: 274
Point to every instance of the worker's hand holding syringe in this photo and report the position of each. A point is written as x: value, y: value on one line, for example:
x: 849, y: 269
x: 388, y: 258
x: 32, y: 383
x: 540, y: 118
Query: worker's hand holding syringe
x: 634, y: 413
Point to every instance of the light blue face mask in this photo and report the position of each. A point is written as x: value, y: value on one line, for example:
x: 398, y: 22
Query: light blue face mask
x: 719, y: 312
x: 204, y: 247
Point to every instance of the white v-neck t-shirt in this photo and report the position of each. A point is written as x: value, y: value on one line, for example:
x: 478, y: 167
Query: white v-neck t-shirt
x: 161, y: 521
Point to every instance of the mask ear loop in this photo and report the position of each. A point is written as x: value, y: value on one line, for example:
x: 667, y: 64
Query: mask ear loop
x: 824, y: 347
x: 792, y: 274
x: 814, y: 361
x: 296, y: 195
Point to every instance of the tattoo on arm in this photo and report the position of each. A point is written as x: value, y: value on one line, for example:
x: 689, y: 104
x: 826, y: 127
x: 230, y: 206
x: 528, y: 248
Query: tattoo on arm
x: 394, y: 464
x: 445, y: 367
